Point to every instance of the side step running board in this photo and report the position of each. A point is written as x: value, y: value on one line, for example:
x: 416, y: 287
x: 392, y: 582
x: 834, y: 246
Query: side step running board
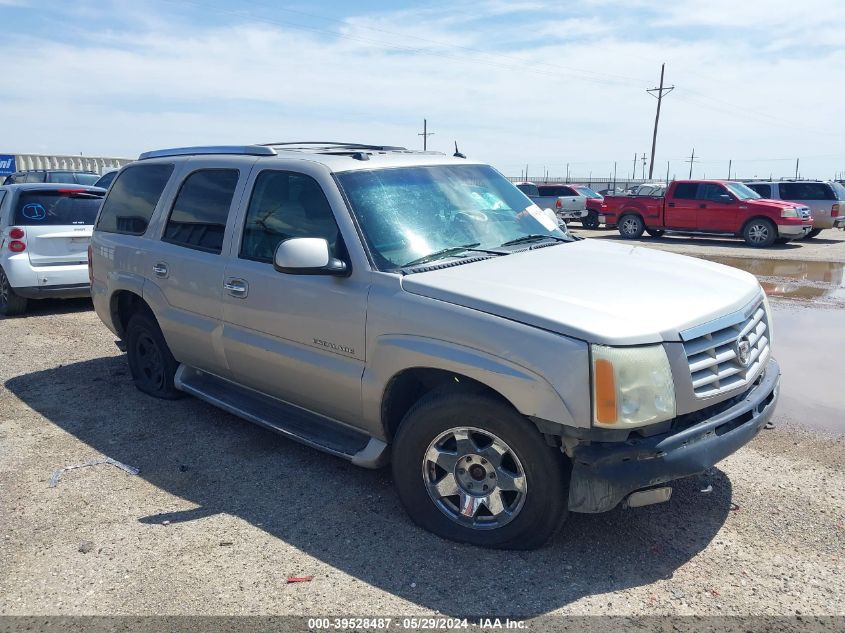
x: 289, y: 420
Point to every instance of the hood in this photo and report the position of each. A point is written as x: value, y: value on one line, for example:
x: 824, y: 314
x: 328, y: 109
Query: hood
x: 774, y: 205
x: 594, y: 291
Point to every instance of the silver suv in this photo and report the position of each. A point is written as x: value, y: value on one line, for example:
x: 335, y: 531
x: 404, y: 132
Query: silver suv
x: 823, y: 198
x: 387, y: 305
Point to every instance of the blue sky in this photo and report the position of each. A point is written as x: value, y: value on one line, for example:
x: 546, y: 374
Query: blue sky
x: 539, y: 83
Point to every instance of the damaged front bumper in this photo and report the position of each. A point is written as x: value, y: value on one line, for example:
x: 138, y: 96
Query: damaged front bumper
x: 604, y: 473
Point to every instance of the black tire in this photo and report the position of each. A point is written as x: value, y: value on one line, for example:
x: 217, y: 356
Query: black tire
x: 150, y: 361
x: 538, y: 512
x: 655, y: 232
x: 760, y: 233
x: 591, y: 220
x: 11, y: 304
x: 813, y: 233
x: 631, y: 226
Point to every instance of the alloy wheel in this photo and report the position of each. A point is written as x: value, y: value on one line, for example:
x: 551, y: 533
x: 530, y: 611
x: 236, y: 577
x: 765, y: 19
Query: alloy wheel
x: 474, y: 478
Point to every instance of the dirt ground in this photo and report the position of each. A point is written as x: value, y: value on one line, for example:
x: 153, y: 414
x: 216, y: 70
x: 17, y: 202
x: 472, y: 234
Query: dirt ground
x: 222, y: 512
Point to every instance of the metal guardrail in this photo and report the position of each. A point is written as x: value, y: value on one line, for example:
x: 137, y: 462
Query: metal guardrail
x: 97, y: 164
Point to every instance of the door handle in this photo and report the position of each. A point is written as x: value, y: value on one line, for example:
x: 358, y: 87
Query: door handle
x: 160, y: 269
x: 702, y: 206
x: 236, y: 287
x: 670, y: 204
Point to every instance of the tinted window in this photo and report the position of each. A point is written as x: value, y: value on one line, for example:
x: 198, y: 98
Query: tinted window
x: 708, y: 191
x: 765, y: 191
x: 529, y: 190
x: 686, y: 190
x: 62, y: 176
x: 45, y: 208
x: 199, y: 214
x: 105, y: 180
x: 33, y: 176
x: 87, y: 179
x: 806, y: 191
x: 285, y: 205
x: 133, y: 198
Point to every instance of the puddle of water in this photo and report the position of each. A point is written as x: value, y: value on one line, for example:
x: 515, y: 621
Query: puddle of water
x: 791, y: 279
x: 809, y: 344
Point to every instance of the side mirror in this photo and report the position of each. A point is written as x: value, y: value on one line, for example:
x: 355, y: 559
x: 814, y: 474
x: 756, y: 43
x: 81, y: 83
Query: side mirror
x: 307, y: 256
x: 725, y: 197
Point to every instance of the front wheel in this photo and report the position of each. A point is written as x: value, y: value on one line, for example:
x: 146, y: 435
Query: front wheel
x: 471, y: 469
x: 631, y: 226
x: 11, y: 304
x: 591, y: 220
x: 760, y: 233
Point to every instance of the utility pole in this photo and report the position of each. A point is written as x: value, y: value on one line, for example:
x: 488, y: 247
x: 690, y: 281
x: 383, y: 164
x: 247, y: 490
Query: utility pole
x: 567, y: 172
x: 659, y: 96
x: 634, y: 171
x: 691, y: 160
x: 614, y: 176
x: 730, y: 160
x: 425, y: 134
x: 644, y: 157
x: 796, y: 168
x: 667, y: 173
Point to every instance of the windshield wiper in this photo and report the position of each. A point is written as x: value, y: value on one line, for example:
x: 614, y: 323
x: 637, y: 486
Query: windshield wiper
x: 445, y: 252
x: 534, y: 237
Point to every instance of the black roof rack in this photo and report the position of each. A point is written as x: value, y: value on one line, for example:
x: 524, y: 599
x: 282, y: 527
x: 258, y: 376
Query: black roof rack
x: 329, y: 146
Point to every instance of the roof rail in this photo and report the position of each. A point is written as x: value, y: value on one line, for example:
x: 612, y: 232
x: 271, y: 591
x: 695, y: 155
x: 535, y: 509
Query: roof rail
x: 328, y: 146
x: 249, y: 150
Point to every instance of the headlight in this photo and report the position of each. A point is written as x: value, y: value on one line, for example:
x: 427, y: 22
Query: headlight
x: 632, y: 386
x: 789, y: 212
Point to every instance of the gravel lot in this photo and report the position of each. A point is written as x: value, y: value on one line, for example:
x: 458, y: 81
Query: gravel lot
x: 223, y: 512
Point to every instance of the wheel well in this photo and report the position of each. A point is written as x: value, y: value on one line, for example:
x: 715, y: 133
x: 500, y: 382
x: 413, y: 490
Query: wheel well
x: 124, y: 305
x: 758, y: 217
x: 625, y: 212
x: 408, y: 386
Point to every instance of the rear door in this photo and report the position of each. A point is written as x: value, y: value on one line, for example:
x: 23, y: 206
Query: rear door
x: 818, y: 196
x: 681, y: 210
x: 718, y: 210
x: 57, y: 223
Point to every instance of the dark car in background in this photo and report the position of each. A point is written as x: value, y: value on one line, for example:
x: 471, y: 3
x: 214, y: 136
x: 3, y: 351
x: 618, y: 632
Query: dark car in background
x: 68, y: 176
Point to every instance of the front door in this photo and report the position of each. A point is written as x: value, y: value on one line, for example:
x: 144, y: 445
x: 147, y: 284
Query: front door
x: 717, y: 209
x: 299, y: 338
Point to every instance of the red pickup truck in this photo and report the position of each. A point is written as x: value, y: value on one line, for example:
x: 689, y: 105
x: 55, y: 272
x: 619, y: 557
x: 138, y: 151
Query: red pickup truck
x: 710, y: 207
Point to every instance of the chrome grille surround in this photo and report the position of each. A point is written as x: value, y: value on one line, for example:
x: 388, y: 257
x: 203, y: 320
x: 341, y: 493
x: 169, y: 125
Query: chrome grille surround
x: 715, y: 350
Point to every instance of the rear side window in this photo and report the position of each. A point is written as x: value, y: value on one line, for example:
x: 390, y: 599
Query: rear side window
x: 806, y: 191
x: 765, y: 191
x: 529, y: 190
x: 199, y: 214
x: 33, y: 176
x: 87, y: 179
x: 50, y: 208
x: 686, y: 190
x: 133, y: 198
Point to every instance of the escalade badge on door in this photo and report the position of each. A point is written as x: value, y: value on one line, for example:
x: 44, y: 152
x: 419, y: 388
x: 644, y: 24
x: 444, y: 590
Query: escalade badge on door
x: 743, y: 351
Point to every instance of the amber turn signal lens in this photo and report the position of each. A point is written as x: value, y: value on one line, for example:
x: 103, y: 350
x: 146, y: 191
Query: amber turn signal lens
x: 605, y: 391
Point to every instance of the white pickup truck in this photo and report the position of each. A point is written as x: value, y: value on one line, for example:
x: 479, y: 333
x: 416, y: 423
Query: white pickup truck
x: 566, y: 201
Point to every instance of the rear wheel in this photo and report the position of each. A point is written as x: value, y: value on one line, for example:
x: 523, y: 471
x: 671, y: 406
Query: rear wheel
x: 655, y: 232
x: 471, y: 469
x: 150, y: 361
x: 760, y: 233
x: 812, y: 233
x: 631, y: 226
x: 591, y: 220
x: 11, y: 304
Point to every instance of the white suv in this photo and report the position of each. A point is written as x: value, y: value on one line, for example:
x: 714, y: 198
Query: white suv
x: 45, y: 230
x: 823, y: 199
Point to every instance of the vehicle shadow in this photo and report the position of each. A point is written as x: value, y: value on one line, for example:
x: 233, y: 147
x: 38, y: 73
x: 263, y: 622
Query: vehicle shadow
x: 43, y: 307
x: 350, y: 518
x: 681, y: 239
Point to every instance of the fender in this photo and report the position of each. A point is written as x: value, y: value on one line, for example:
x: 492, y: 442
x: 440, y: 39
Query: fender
x: 106, y: 305
x: 528, y: 392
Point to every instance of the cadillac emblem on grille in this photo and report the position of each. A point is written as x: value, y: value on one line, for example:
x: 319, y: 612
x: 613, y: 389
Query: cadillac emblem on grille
x: 743, y: 351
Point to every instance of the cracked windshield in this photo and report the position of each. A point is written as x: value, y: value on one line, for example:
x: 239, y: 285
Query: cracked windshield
x: 412, y: 215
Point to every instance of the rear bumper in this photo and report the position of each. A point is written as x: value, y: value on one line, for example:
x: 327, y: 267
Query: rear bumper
x: 70, y: 291
x: 604, y: 473
x: 839, y: 222
x: 571, y: 215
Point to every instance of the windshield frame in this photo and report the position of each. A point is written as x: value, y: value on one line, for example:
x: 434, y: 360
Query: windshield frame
x: 558, y: 235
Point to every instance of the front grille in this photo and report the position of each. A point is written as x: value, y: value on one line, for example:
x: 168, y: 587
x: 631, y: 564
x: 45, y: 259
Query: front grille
x: 714, y: 357
x: 804, y: 212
